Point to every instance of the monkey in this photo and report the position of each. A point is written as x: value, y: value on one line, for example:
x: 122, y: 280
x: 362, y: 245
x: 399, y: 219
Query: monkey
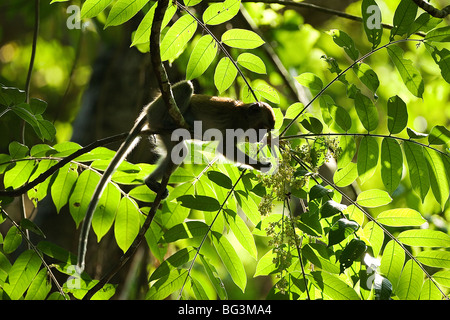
x: 217, y: 117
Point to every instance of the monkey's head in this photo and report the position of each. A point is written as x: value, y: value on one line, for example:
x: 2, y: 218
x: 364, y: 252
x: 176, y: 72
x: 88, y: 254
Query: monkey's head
x: 260, y: 117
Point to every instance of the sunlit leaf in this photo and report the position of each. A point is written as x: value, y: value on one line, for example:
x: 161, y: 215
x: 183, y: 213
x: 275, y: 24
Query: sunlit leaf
x: 123, y: 10
x: 434, y: 258
x: 410, y: 282
x: 366, y: 111
x: 167, y: 285
x: 439, y: 35
x: 230, y: 259
x: 409, y: 74
x: 401, y: 217
x: 436, y: 169
x: 224, y: 74
x: 373, y: 198
x: 343, y: 40
x: 346, y: 175
x: 418, y: 170
x: 397, y: 115
x: 62, y: 186
x: 242, y: 39
x: 333, y: 287
x: 92, y: 8
x: 367, y: 158
x: 367, y: 76
x: 221, y: 12
x: 177, y: 37
x: 404, y: 16
x: 252, y: 62
x: 201, y: 57
x: 424, y: 238
x: 127, y: 223
x: 392, y: 262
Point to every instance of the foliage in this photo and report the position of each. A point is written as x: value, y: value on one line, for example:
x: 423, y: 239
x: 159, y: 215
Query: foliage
x: 295, y: 225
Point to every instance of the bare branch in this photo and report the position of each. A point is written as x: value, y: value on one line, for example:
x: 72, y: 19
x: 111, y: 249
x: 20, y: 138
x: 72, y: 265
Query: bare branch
x: 432, y: 10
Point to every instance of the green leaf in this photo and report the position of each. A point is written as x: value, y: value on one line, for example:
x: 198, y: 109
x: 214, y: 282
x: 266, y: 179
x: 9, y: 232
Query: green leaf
x: 241, y: 39
x: 418, y: 170
x: 341, y: 117
x: 199, y: 202
x: 439, y: 135
x: 366, y: 111
x: 27, y: 224
x: 176, y: 260
x: 443, y: 278
x: 318, y: 191
x: 367, y: 158
x: 415, y: 135
x: 375, y: 235
x: 56, y: 252
x: 224, y: 74
x: 241, y: 232
x: 19, y: 174
x: 105, y: 212
x: 344, y: 41
x: 177, y: 37
x: 345, y: 176
x: 39, y: 288
x: 404, y: 17
x: 167, y: 285
x: 424, y: 238
x: 252, y: 62
x: 22, y: 274
x: 311, y: 81
x: 12, y: 240
x: 439, y: 35
x: 409, y: 74
x: 18, y: 150
x: 186, y: 230
x: 400, y: 218
x: 330, y: 208
x: 218, y: 13
x: 201, y: 57
x: 319, y: 256
x: 127, y: 224
x: 92, y: 8
x: 434, y: 258
x: 230, y: 259
x: 436, y: 169
x: 348, y: 147
x: 373, y: 198
x: 62, y: 186
x: 144, y: 29
x: 367, y: 76
x: 220, y: 179
x: 352, y: 251
x: 215, y: 280
x: 333, y: 287
x: 430, y: 291
x: 371, y: 15
x: 81, y: 195
x: 442, y: 59
x: 425, y: 22
x: 37, y: 106
x: 410, y: 282
x: 123, y: 10
x: 267, y: 92
x: 311, y: 124
x: 392, y: 262
x: 397, y: 115
x: 197, y: 287
x: 391, y: 164
x: 342, y: 229
x: 265, y: 265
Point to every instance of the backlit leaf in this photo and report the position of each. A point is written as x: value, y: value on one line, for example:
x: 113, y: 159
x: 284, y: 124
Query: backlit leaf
x: 400, y: 217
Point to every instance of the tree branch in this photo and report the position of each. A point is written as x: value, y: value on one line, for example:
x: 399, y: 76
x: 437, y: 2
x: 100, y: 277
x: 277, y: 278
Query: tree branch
x: 432, y: 10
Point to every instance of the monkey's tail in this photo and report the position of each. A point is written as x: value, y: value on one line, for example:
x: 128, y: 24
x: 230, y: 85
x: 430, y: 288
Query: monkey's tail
x: 125, y: 148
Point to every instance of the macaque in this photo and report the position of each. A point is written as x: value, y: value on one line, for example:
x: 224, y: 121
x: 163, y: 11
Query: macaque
x: 229, y: 120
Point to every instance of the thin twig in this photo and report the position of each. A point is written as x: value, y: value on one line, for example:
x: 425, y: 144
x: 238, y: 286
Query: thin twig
x: 36, y: 250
